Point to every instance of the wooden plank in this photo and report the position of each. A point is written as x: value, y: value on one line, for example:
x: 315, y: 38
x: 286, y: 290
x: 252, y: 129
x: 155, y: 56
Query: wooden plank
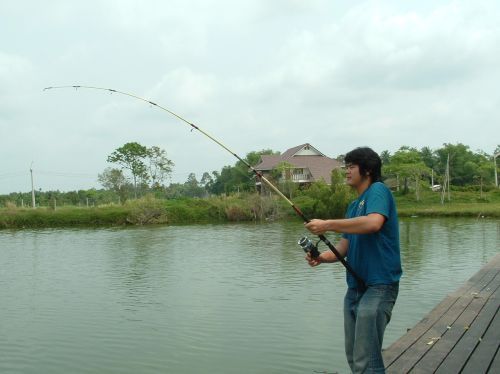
x: 458, y: 357
x: 400, y: 346
x: 495, y: 366
x: 411, y: 357
x: 456, y: 331
x: 397, y: 348
x: 435, y: 325
x: 407, y: 351
x: 483, y: 355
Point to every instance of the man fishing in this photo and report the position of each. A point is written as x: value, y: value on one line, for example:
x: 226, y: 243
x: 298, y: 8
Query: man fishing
x: 370, y: 243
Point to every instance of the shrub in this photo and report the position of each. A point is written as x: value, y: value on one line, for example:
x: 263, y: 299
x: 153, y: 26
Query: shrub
x: 10, y: 206
x: 146, y: 210
x: 237, y: 213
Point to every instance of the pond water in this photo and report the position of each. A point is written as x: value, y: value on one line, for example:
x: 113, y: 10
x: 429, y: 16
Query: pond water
x: 233, y: 298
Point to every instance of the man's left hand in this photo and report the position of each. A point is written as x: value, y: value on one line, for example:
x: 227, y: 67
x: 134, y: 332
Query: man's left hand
x: 317, y: 226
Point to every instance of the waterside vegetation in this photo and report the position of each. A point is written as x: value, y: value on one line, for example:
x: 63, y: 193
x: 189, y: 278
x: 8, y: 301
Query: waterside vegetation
x: 449, y: 181
x: 242, y: 207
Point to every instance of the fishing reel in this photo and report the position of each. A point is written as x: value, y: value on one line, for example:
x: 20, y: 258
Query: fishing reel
x: 308, y: 246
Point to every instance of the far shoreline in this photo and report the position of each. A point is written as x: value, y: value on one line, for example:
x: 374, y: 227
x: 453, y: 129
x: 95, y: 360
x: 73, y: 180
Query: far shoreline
x: 198, y: 212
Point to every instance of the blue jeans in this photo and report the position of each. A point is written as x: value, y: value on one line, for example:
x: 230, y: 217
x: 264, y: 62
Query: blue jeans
x: 366, y: 314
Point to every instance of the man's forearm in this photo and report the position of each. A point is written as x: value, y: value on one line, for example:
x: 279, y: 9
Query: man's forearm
x: 358, y: 225
x: 328, y: 257
x: 341, y: 248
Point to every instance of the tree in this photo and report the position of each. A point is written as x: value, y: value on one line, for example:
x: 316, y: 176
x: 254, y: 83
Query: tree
x: 241, y: 176
x: 113, y: 179
x: 407, y: 163
x: 206, y: 181
x: 253, y: 158
x: 329, y: 201
x: 281, y: 174
x: 216, y: 187
x: 342, y: 194
x: 174, y: 191
x: 131, y: 156
x: 159, y: 166
x: 385, y: 156
x: 461, y: 162
x: 206, y: 178
x: 497, y: 150
x: 145, y: 164
x: 192, y: 187
x: 483, y: 173
x: 238, y: 177
x: 428, y: 157
x: 224, y: 181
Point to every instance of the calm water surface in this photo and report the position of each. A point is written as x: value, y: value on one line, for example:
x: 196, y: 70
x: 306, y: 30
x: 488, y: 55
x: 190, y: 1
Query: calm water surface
x: 204, y: 299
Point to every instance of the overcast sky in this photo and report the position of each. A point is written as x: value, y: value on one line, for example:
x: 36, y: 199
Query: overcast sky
x: 255, y: 74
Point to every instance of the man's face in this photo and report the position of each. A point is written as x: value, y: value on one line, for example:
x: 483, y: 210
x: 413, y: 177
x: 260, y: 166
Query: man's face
x: 353, y: 178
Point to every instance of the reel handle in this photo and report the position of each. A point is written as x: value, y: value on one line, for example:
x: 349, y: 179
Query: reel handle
x: 308, y: 246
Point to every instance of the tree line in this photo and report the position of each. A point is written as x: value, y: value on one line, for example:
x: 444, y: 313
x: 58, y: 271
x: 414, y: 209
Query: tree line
x: 455, y: 164
x: 137, y: 170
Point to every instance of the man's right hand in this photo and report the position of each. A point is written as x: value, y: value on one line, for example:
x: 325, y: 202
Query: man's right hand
x: 328, y: 256
x: 313, y: 261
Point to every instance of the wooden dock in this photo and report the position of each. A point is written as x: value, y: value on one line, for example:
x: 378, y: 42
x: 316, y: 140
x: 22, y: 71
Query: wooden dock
x: 460, y: 335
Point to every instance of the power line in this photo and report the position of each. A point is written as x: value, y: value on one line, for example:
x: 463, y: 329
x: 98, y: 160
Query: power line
x: 13, y: 174
x: 65, y: 174
x: 51, y: 173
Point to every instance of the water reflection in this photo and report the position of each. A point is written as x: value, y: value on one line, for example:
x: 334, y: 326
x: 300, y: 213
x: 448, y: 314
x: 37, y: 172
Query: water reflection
x: 412, y: 236
x: 217, y: 298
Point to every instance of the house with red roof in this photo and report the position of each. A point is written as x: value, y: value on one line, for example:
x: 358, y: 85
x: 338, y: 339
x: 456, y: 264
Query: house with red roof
x: 302, y: 164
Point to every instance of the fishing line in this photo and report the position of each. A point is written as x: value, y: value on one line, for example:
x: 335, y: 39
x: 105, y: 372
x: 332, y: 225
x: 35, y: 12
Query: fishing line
x: 259, y: 175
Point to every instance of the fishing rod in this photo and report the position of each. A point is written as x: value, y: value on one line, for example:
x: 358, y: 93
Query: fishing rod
x: 304, y: 242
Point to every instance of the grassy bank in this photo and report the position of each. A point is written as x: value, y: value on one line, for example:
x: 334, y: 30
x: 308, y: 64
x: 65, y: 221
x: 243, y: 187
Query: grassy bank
x: 462, y: 204
x: 244, y: 207
x: 62, y: 217
x: 491, y: 210
x: 143, y: 212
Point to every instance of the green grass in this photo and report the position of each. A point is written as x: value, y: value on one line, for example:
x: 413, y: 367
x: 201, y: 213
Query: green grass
x: 461, y: 204
x: 194, y: 211
x: 135, y: 212
x: 245, y: 207
x: 62, y: 217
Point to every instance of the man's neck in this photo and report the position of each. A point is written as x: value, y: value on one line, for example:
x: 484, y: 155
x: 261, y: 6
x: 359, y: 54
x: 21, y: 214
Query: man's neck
x: 363, y: 186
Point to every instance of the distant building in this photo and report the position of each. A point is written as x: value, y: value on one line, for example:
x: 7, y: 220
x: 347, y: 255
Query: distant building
x: 302, y: 164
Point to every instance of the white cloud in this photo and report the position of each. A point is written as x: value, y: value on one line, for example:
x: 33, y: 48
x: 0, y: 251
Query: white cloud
x: 190, y: 88
x: 255, y: 74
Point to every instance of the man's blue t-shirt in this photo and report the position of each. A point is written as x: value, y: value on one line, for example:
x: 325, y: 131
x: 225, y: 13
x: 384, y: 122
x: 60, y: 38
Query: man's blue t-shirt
x: 375, y: 257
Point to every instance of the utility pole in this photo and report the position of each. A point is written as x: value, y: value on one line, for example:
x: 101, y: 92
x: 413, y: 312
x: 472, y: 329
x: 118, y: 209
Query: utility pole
x: 446, y: 184
x: 33, y: 203
x: 448, y: 175
x: 495, y: 162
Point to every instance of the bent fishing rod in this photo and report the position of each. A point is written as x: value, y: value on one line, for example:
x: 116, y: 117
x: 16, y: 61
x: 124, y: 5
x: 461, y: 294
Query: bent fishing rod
x: 312, y: 248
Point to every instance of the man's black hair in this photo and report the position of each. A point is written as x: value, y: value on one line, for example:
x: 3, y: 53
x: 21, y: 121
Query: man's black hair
x: 367, y: 160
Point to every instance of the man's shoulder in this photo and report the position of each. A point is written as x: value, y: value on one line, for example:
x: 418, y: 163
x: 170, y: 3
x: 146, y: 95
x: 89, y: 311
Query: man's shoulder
x: 381, y: 185
x: 380, y: 199
x: 379, y: 188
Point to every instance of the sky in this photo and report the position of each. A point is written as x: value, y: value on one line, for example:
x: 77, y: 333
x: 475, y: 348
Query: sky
x: 254, y: 74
